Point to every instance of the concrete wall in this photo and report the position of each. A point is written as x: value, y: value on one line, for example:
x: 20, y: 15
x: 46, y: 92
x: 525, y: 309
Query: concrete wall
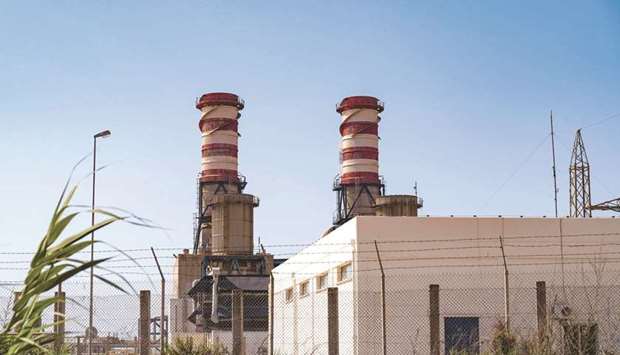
x: 187, y: 268
x: 180, y: 310
x: 462, y: 256
x: 252, y: 341
x: 300, y: 324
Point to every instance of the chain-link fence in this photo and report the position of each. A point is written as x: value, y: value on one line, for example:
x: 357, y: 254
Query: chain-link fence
x: 116, y: 316
x: 468, y: 312
x: 446, y: 304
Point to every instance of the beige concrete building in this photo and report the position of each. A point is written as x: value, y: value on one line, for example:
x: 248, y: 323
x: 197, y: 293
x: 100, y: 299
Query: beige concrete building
x: 577, y: 258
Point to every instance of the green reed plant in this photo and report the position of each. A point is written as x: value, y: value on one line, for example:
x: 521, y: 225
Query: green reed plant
x: 53, y: 263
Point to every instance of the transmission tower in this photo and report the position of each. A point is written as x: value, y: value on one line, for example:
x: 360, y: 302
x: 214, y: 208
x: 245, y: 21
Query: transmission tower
x: 579, y: 180
x: 611, y: 205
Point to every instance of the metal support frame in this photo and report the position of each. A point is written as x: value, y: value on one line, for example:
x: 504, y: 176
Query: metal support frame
x: 506, y: 288
x: 580, y: 200
x: 344, y: 212
x: 158, y: 331
x: 611, y: 205
x: 163, y: 319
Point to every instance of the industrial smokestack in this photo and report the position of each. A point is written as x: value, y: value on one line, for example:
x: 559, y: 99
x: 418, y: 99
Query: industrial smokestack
x: 358, y: 184
x: 219, y: 127
x: 225, y: 214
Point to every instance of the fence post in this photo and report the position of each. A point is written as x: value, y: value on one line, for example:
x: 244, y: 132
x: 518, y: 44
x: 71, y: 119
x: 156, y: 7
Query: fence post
x: 271, y: 284
x: 59, y: 321
x: 145, y: 319
x: 383, y: 319
x: 332, y: 321
x: 237, y: 321
x: 434, y: 318
x: 163, y: 333
x: 541, y: 307
x: 506, y: 286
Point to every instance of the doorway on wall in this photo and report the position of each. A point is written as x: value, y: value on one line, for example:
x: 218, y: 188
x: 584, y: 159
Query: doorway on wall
x: 462, y: 335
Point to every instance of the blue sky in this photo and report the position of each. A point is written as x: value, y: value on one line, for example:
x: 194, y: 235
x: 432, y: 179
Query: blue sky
x: 468, y: 86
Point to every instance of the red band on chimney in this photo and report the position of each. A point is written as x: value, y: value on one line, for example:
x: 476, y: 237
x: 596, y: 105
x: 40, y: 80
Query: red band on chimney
x: 222, y: 124
x: 359, y: 127
x: 219, y: 149
x: 219, y: 175
x: 219, y: 98
x: 360, y: 153
x: 358, y: 102
x: 359, y: 178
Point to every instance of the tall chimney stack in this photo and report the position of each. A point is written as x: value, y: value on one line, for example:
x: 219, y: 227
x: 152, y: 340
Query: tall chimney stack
x: 225, y: 214
x: 219, y: 127
x: 358, y: 184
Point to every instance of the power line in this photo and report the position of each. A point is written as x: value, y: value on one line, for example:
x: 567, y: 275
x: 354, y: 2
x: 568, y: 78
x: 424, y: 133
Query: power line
x: 616, y: 115
x: 514, y: 173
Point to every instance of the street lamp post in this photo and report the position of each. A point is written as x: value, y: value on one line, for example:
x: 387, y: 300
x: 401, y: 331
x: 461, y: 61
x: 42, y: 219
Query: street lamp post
x: 102, y: 134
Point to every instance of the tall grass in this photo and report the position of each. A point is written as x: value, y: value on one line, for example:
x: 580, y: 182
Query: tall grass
x: 54, y: 262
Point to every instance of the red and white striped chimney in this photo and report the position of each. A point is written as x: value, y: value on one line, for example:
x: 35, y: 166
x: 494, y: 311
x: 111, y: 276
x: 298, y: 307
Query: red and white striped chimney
x: 218, y: 124
x: 359, y: 183
x: 360, y: 142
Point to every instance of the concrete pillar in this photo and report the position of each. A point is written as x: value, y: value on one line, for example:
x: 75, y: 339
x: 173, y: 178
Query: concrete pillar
x: 541, y: 307
x: 145, y: 319
x: 434, y: 318
x: 332, y: 321
x: 237, y: 322
x: 59, y: 321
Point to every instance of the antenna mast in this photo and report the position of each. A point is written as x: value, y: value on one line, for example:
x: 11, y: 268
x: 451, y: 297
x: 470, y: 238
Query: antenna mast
x: 555, y: 179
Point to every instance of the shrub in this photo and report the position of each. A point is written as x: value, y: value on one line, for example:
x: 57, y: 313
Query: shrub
x: 186, y: 346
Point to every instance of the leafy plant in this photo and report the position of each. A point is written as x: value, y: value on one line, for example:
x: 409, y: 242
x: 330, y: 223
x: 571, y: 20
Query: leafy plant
x: 503, y: 341
x: 186, y: 346
x: 53, y: 263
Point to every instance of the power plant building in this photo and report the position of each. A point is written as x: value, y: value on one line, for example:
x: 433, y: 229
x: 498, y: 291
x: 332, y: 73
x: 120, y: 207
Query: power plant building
x: 384, y: 279
x: 439, y: 281
x: 462, y: 256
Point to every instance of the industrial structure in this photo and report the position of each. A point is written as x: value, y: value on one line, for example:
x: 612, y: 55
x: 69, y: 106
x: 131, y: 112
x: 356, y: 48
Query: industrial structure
x: 223, y: 285
x: 611, y: 205
x: 380, y: 261
x: 461, y: 258
x: 580, y: 200
x: 580, y: 186
x: 223, y: 257
x: 359, y: 187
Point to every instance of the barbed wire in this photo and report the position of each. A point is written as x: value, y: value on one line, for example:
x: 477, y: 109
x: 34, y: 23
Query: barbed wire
x: 410, y: 258
x: 426, y: 239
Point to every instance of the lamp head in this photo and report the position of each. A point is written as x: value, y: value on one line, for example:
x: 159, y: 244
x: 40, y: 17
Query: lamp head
x: 103, y: 134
